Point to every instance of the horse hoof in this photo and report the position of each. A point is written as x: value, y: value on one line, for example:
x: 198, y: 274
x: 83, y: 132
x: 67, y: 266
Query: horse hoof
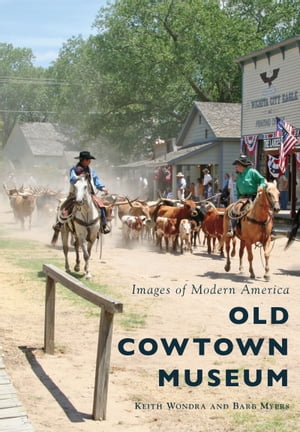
x: 77, y: 268
x: 227, y: 268
x: 252, y: 276
x: 267, y: 277
x: 88, y: 276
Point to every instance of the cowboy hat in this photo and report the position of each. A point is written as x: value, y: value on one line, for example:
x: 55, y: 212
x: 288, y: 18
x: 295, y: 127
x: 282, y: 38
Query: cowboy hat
x: 180, y: 174
x: 206, y: 170
x: 243, y: 160
x: 85, y: 155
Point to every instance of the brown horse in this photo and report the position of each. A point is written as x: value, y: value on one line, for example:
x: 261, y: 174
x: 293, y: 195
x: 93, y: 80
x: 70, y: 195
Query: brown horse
x: 254, y: 227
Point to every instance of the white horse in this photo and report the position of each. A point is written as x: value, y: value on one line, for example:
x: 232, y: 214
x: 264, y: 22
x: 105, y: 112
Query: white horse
x: 84, y: 225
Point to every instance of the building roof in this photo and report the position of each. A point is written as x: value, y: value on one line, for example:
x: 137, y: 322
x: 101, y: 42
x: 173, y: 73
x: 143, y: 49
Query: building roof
x: 223, y: 118
x: 270, y: 48
x: 44, y: 139
x: 135, y: 164
x: 176, y: 156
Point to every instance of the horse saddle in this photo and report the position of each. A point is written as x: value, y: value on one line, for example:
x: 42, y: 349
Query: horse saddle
x: 98, y: 201
x: 241, y: 207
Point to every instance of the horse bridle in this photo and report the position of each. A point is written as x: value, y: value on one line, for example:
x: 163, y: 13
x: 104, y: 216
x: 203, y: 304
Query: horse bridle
x: 80, y: 221
x: 271, y: 204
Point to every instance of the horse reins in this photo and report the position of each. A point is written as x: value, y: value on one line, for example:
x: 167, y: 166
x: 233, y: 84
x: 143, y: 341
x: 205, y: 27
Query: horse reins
x: 259, y: 222
x: 86, y: 224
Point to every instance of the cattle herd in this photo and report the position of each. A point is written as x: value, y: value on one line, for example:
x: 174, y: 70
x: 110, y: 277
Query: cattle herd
x: 173, y: 225
x: 25, y: 200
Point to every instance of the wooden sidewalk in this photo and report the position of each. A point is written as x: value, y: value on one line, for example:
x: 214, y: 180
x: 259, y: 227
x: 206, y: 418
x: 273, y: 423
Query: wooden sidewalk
x: 13, y: 417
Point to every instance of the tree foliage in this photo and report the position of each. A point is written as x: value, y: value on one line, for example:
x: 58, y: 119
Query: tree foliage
x: 151, y: 59
x: 21, y: 93
x: 136, y: 79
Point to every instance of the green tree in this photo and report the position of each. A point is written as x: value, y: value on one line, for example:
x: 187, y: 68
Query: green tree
x: 22, y: 93
x: 137, y: 78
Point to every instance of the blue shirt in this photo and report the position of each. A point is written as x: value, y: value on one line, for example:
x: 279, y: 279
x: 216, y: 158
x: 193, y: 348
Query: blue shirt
x: 94, y: 177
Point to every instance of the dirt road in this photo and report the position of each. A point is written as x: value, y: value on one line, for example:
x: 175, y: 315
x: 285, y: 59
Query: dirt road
x: 166, y: 297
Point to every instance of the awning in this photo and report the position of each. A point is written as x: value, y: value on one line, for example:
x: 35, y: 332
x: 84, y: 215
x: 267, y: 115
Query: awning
x: 173, y: 158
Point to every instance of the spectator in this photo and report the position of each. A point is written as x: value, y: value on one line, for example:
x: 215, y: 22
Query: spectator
x: 282, y: 184
x: 199, y: 189
x: 181, y: 185
x: 232, y: 188
x: 209, y: 190
x: 207, y: 178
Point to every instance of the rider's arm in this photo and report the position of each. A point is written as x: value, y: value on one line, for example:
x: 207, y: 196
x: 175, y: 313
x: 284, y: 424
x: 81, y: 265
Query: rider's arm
x: 100, y: 186
x: 259, y: 179
x: 73, y: 176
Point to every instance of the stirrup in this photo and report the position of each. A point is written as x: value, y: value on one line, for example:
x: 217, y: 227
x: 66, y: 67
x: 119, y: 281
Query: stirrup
x: 57, y: 226
x: 105, y: 229
x: 230, y: 234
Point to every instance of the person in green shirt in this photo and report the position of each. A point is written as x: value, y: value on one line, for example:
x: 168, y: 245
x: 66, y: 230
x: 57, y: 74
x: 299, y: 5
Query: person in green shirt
x: 248, y: 182
x: 248, y: 179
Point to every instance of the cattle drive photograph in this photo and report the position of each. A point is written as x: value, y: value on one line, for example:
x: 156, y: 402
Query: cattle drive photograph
x: 164, y: 260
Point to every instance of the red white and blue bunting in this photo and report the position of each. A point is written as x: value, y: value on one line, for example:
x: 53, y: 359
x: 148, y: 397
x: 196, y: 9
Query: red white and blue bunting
x: 250, y: 141
x: 273, y: 165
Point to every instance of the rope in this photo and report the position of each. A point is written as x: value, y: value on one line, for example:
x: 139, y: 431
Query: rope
x: 237, y: 214
x: 210, y: 198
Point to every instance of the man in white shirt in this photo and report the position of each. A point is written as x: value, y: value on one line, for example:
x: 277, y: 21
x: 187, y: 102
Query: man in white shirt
x: 207, y: 178
x: 181, y: 185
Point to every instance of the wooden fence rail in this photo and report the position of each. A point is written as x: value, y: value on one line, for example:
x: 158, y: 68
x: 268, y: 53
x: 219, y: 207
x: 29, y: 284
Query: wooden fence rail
x: 108, y: 308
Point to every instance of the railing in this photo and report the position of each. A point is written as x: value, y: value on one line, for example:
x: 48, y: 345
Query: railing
x: 108, y: 308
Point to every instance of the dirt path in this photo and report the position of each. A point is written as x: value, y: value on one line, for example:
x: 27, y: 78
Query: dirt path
x: 57, y: 391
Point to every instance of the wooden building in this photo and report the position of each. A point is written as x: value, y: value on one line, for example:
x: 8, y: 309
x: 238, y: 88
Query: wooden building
x: 209, y: 138
x: 270, y: 89
x: 39, y: 149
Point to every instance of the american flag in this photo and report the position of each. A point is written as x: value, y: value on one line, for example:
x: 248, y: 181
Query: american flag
x: 287, y: 141
x: 282, y: 124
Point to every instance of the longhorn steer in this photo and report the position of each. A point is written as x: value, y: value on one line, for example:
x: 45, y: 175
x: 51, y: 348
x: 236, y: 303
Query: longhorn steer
x: 23, y: 206
x: 46, y: 202
x: 185, y: 234
x: 165, y: 228
x: 212, y: 227
x: 196, y: 226
x: 133, y: 208
x: 186, y: 211
x: 131, y: 227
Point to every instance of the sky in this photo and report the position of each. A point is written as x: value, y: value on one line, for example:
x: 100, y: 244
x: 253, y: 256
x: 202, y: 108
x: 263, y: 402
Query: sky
x: 44, y: 25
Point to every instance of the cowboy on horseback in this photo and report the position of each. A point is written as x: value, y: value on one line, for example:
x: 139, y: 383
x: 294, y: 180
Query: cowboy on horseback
x: 249, y: 181
x: 82, y: 168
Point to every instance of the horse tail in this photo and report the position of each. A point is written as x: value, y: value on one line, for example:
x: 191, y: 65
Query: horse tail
x: 55, y: 237
x: 293, y: 232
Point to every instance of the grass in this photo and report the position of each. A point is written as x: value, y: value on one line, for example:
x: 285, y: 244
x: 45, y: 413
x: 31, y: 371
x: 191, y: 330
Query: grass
x: 28, y: 256
x: 18, y: 245
x: 132, y: 321
x: 261, y: 420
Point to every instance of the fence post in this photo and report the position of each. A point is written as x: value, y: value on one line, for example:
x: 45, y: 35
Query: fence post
x: 108, y: 308
x: 49, y: 316
x: 102, y: 365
